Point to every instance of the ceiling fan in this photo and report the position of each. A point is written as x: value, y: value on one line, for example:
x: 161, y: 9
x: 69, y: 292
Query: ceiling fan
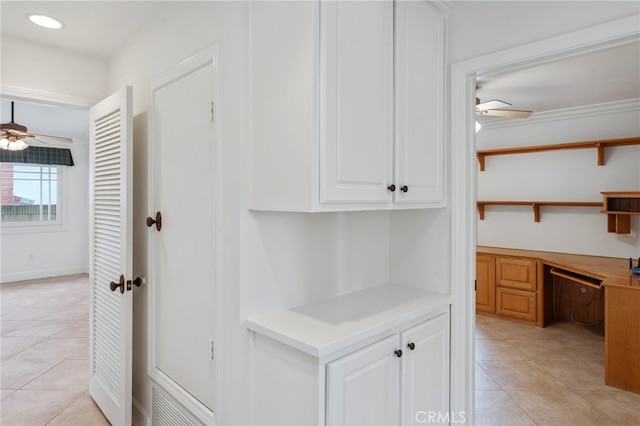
x: 14, y: 136
x: 496, y: 107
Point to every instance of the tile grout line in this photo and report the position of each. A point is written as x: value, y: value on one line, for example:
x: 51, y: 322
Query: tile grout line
x: 520, y: 407
x: 65, y: 407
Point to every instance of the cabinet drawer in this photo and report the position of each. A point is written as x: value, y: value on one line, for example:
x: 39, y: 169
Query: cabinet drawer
x: 516, y: 273
x: 516, y: 303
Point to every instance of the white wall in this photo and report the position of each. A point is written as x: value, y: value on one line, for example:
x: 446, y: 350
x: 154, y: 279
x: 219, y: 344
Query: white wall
x: 571, y: 175
x: 48, y: 73
x: 560, y: 176
x: 30, y: 254
x: 46, y: 69
x: 476, y: 28
x: 279, y: 260
x: 158, y: 47
x: 269, y: 260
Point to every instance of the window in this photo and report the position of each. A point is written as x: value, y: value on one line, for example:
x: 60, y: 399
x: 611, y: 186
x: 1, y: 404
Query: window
x: 30, y: 194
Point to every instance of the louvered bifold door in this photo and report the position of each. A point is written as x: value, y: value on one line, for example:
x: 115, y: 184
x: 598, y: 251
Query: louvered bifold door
x: 111, y: 256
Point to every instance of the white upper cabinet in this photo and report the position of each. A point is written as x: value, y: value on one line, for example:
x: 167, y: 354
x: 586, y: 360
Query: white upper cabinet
x: 419, y: 103
x: 346, y: 105
x: 356, y: 101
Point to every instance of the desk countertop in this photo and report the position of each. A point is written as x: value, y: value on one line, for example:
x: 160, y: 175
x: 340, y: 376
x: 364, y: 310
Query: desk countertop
x: 611, y: 270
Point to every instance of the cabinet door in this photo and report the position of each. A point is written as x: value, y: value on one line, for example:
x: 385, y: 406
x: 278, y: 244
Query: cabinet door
x: 516, y: 303
x: 356, y: 101
x: 516, y: 273
x: 419, y: 87
x: 363, y: 388
x: 485, y: 283
x: 425, y: 372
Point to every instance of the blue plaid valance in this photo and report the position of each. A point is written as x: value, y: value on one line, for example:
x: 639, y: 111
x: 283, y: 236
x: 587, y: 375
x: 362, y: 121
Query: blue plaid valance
x: 38, y: 155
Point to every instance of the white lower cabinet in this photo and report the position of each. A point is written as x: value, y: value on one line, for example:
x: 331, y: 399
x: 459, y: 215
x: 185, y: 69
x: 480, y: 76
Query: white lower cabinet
x: 363, y: 388
x: 375, y: 357
x: 424, y: 376
x: 402, y: 379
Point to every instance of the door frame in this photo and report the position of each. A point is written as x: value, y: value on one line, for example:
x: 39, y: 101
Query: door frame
x: 210, y: 56
x: 463, y: 179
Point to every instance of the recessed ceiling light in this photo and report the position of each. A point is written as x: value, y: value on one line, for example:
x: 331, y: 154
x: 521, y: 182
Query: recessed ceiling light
x: 45, y: 21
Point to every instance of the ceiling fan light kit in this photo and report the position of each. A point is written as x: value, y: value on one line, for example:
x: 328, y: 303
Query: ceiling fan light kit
x: 496, y: 107
x: 12, y: 135
x: 13, y: 145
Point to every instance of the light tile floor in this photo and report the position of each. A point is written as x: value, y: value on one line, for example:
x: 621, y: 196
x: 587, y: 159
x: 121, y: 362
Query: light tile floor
x: 527, y: 375
x: 44, y: 345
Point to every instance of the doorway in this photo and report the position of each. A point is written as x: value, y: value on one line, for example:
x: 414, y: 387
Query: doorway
x: 463, y: 181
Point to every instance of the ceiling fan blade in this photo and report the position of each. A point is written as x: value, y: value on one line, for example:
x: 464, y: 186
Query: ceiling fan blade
x: 12, y: 133
x: 493, y: 104
x: 509, y: 113
x: 53, y: 139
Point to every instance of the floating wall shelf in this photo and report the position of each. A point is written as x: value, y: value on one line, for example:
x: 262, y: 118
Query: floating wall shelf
x: 619, y: 206
x: 535, y: 205
x: 600, y: 145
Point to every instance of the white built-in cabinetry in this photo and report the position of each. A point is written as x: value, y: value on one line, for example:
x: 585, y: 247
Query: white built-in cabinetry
x: 346, y: 105
x: 376, y: 356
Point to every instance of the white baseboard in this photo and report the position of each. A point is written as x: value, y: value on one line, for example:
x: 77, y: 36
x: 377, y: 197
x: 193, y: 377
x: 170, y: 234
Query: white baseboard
x: 139, y: 416
x: 45, y: 273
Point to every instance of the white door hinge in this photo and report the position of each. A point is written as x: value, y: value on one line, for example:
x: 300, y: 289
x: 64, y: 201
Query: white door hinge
x: 212, y: 348
x: 213, y: 112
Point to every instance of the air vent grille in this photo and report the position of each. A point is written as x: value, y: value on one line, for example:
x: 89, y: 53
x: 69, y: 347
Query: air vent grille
x: 165, y: 413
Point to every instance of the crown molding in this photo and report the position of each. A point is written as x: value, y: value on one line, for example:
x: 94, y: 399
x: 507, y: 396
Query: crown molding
x: 20, y: 93
x: 444, y: 6
x: 607, y: 108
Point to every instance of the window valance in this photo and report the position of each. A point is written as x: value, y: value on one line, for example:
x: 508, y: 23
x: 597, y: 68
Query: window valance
x: 38, y: 155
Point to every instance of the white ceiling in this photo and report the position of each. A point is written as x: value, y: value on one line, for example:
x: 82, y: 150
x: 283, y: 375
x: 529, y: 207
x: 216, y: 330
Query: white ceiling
x: 605, y: 76
x: 100, y: 27
x: 48, y: 120
x: 93, y: 27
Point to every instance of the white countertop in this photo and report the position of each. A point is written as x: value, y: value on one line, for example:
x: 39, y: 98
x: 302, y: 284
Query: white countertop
x: 321, y: 328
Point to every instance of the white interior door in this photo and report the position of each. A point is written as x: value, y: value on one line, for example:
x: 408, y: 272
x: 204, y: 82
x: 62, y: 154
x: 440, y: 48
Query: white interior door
x: 183, y: 252
x: 111, y: 256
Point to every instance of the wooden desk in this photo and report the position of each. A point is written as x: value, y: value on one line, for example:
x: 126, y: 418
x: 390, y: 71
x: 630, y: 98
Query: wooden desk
x: 621, y: 306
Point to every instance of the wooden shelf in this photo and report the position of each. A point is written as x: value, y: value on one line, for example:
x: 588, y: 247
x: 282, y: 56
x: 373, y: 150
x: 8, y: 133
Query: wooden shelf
x: 535, y: 205
x: 600, y: 145
x: 619, y: 206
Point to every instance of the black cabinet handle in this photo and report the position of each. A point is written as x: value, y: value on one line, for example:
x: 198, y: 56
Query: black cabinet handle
x: 412, y: 346
x: 404, y: 188
x: 398, y: 353
x: 391, y: 187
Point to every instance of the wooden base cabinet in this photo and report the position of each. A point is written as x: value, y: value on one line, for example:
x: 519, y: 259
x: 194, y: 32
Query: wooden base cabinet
x: 622, y: 338
x: 486, y: 283
x: 508, y: 286
x: 384, y: 362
